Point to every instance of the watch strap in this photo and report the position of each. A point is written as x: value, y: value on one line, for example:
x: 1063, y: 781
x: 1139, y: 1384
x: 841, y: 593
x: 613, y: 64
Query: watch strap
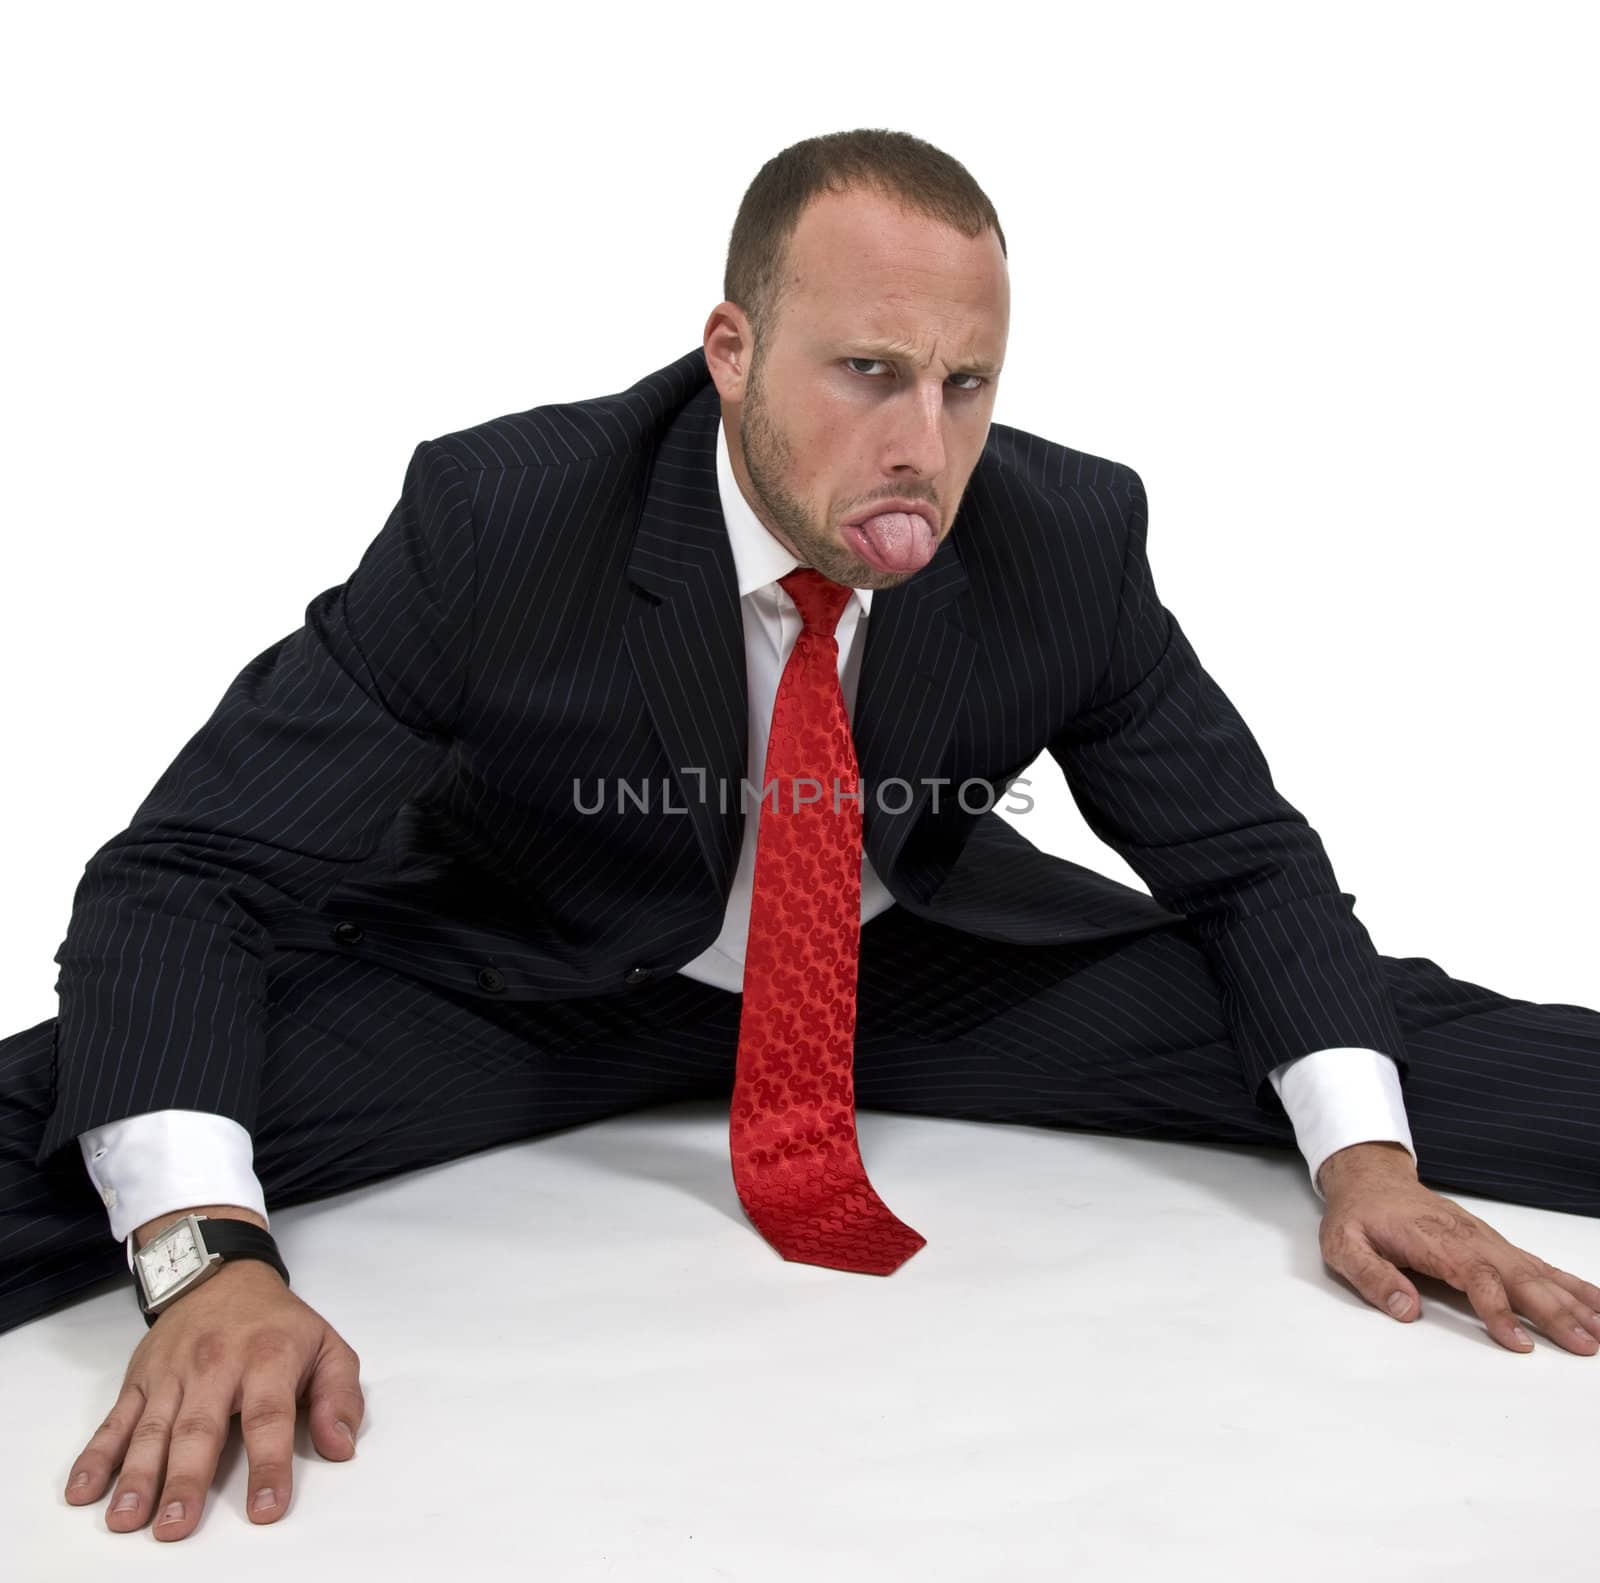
x: 233, y: 1239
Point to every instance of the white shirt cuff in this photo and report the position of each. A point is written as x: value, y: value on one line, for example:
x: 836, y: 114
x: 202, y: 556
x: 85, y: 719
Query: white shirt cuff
x: 164, y: 1160
x: 1340, y: 1096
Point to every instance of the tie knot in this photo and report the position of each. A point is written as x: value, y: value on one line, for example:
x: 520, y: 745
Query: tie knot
x: 819, y: 599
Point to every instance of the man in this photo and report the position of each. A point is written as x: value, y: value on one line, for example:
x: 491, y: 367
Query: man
x: 415, y: 890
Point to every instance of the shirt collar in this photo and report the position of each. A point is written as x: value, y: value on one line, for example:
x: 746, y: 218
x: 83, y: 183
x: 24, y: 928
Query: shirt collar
x: 758, y: 558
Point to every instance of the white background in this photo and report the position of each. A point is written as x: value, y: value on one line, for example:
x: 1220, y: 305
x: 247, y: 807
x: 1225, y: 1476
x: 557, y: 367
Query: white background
x: 1323, y: 275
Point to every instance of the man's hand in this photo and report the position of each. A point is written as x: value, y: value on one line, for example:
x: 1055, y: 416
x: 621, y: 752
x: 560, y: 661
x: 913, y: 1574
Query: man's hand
x: 241, y: 1342
x: 1378, y: 1212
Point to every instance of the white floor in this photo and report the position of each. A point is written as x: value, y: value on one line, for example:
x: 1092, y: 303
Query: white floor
x: 1113, y: 1357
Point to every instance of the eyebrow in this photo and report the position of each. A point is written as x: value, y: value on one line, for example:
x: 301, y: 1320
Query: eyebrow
x: 892, y: 351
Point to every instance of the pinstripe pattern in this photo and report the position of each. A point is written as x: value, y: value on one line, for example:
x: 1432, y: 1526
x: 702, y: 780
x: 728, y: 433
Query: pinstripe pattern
x: 369, y: 1072
x: 553, y: 599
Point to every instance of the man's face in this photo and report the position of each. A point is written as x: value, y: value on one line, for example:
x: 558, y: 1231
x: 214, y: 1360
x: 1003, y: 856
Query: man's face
x: 876, y: 383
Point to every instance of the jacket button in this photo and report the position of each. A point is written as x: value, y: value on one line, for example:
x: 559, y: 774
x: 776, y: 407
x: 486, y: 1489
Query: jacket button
x: 491, y: 978
x: 347, y: 933
x: 637, y: 975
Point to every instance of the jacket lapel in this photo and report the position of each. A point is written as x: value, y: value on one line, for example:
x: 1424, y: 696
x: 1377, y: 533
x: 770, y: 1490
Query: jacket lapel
x: 686, y: 642
x: 686, y: 639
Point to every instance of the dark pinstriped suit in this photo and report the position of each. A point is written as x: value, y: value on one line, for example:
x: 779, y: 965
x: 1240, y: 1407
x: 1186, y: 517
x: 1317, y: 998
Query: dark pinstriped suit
x: 553, y: 600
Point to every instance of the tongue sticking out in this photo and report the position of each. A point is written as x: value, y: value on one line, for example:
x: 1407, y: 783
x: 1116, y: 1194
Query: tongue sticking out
x: 894, y: 541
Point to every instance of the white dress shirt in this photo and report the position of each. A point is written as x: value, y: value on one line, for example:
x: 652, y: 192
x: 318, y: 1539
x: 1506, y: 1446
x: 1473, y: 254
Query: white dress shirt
x: 164, y: 1160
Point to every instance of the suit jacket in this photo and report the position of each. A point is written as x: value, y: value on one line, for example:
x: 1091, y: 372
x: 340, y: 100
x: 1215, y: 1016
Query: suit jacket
x: 550, y: 609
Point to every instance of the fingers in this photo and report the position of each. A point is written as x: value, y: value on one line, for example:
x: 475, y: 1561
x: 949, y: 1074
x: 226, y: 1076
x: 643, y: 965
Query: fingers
x: 1486, y: 1290
x: 91, y: 1470
x: 266, y: 1420
x: 266, y: 1387
x: 241, y: 1343
x: 199, y: 1432
x: 337, y: 1404
x: 1499, y: 1279
x: 1586, y: 1293
x: 1555, y: 1311
x: 1503, y: 1281
x: 145, y: 1460
x: 1347, y: 1249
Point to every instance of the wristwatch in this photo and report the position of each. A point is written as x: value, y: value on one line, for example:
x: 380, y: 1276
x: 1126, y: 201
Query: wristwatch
x: 178, y: 1259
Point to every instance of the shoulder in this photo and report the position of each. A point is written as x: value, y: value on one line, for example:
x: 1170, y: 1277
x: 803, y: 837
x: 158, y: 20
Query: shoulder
x: 620, y: 427
x: 1053, y: 474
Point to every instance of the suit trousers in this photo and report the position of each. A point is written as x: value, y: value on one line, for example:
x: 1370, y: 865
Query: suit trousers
x: 369, y: 1073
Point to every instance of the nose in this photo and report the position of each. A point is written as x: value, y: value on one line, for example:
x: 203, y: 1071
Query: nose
x: 916, y: 443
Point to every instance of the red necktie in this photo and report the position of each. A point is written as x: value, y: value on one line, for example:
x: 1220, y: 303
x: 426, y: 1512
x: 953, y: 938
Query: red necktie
x: 792, y: 1128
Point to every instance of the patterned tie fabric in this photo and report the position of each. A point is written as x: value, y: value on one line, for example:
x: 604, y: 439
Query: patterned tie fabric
x: 792, y: 1129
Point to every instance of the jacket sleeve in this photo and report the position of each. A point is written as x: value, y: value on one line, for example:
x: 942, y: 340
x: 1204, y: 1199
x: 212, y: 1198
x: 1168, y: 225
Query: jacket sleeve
x: 1166, y: 772
x: 295, y: 776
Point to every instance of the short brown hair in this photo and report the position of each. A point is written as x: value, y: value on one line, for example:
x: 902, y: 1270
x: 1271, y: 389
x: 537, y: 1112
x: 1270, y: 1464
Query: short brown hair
x: 896, y: 164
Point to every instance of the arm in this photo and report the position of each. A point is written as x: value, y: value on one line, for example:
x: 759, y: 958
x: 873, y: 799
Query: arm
x: 294, y: 778
x: 1167, y: 773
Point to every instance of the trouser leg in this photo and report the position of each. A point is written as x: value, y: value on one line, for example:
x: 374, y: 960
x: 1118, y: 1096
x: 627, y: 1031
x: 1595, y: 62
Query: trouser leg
x: 369, y: 1073
x: 54, y: 1239
x: 1128, y: 1036
x: 366, y: 1073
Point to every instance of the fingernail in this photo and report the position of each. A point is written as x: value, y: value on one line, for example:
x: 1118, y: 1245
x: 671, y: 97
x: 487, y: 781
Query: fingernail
x: 263, y: 1501
x: 173, y: 1513
x: 127, y: 1502
x: 82, y: 1478
x: 1521, y: 1336
x: 344, y: 1429
x: 1398, y: 1303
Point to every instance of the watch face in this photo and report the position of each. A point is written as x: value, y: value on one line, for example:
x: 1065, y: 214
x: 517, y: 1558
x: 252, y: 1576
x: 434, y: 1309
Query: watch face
x: 170, y: 1258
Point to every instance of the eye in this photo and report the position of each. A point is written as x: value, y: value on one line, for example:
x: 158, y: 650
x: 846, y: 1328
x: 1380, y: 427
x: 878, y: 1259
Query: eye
x: 966, y: 390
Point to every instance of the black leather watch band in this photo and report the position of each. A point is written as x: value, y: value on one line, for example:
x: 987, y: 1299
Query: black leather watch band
x: 233, y: 1239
